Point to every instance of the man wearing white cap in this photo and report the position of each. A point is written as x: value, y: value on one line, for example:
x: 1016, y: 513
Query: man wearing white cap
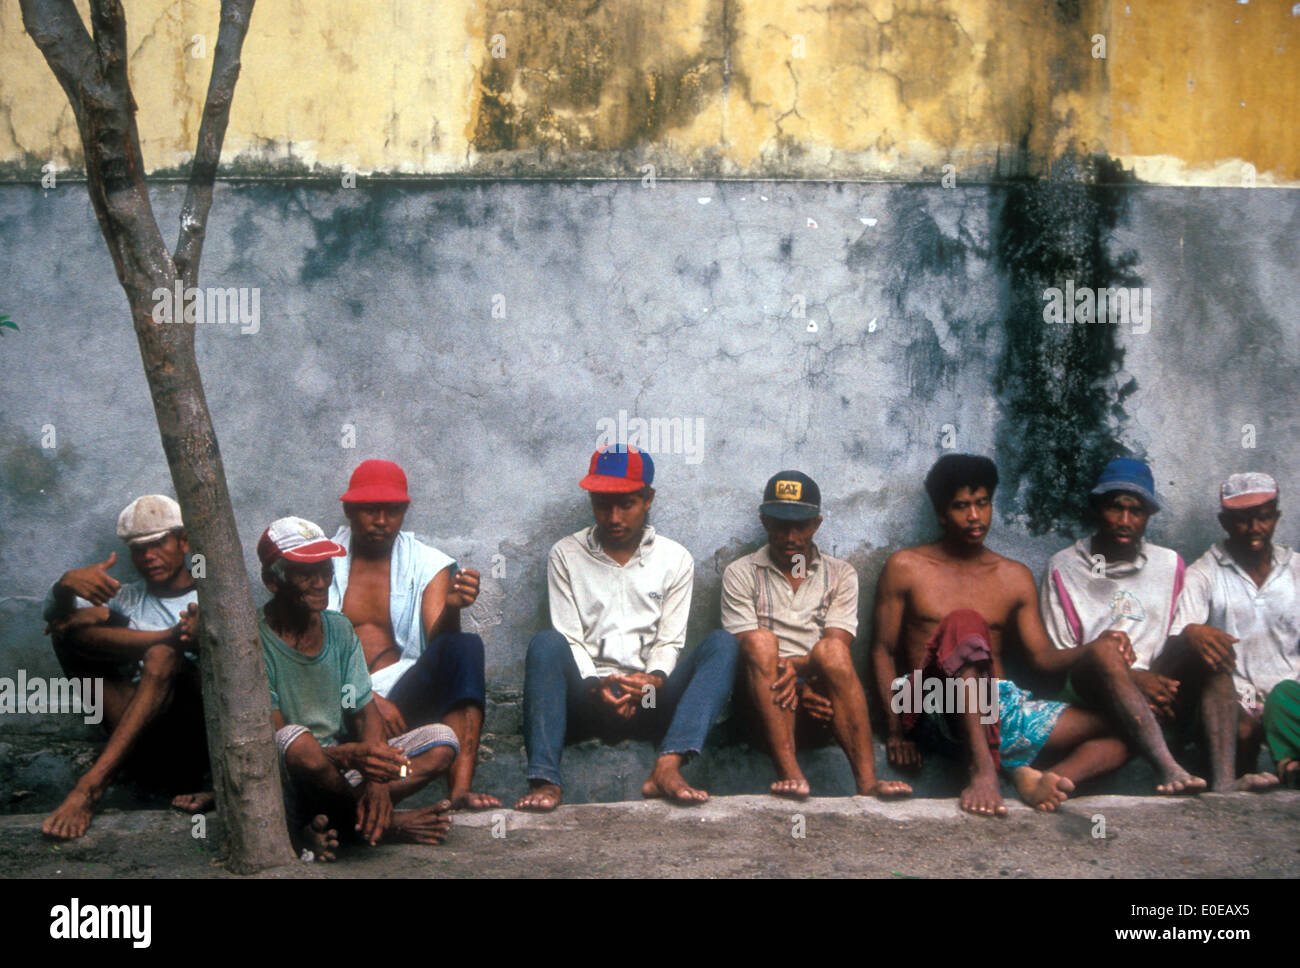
x: 1235, y: 637
x: 135, y: 637
x: 321, y: 698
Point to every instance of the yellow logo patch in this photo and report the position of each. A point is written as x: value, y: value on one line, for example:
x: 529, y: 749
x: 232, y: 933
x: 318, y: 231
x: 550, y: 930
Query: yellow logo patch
x: 789, y: 490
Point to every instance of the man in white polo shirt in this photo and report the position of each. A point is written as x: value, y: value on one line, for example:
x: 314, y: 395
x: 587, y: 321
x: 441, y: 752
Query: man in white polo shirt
x: 795, y: 612
x: 1115, y: 580
x: 1235, y: 638
x: 611, y: 663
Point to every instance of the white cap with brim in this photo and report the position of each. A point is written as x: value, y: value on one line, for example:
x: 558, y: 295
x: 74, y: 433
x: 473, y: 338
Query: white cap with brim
x: 1247, y: 490
x: 148, y: 518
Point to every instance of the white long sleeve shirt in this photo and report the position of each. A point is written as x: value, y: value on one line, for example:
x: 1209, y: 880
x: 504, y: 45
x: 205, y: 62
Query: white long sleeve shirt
x: 620, y: 618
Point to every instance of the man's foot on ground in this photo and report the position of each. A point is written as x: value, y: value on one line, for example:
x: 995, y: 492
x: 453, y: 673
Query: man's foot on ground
x: 667, y: 781
x: 319, y: 840
x: 983, y: 798
x: 469, y: 800
x: 1180, y: 783
x: 195, y: 802
x: 72, y: 818
x: 1256, y: 783
x: 796, y: 788
x: 542, y: 797
x: 427, y: 825
x: 886, y: 789
x: 1042, y: 790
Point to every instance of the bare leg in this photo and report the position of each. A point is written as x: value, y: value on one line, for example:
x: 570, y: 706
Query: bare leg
x: 849, y: 722
x: 1106, y: 682
x: 759, y: 654
x: 149, y: 698
x: 982, y: 795
x: 1081, y: 744
x: 466, y: 721
x: 1219, y: 710
x: 424, y: 768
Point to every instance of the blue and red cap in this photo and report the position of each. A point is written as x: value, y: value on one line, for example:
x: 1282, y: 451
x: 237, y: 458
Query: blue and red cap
x: 618, y: 469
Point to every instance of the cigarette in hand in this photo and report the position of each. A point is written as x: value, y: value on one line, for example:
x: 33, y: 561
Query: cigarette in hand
x: 403, y: 773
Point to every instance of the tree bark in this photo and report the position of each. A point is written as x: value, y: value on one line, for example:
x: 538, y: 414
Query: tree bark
x: 236, y: 699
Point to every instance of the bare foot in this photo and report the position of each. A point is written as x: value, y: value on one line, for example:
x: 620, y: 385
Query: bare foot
x: 427, y: 825
x: 473, y: 801
x: 666, y: 780
x: 796, y: 788
x: 885, y: 789
x: 1179, y: 783
x: 544, y: 797
x: 72, y: 818
x: 982, y: 796
x: 319, y: 840
x: 1256, y: 782
x: 1041, y: 790
x: 195, y: 802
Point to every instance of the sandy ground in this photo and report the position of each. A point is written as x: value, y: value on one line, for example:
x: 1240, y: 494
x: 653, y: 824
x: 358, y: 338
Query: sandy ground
x: 1215, y: 835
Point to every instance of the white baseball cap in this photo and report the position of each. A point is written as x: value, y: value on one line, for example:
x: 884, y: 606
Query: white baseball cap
x: 148, y: 518
x: 1247, y: 490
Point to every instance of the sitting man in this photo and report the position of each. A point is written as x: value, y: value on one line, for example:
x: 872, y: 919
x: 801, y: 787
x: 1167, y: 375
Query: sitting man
x: 1235, y: 641
x: 795, y: 613
x: 135, y: 637
x: 620, y: 595
x: 942, y: 609
x: 1117, y: 580
x: 403, y: 601
x: 320, y: 688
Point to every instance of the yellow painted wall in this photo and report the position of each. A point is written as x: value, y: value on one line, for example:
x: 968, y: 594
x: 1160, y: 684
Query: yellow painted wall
x: 1189, y: 92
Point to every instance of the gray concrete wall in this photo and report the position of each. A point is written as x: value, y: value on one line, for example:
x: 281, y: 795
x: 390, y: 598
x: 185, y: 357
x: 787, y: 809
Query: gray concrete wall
x: 922, y: 308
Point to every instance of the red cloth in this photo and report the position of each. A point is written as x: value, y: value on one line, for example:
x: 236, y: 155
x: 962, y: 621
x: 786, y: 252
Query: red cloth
x: 962, y: 639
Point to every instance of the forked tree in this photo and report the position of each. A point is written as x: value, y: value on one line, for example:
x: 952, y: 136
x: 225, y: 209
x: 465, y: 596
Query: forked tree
x: 92, y: 69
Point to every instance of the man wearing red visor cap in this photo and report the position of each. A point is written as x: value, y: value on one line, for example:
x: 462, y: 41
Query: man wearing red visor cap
x: 339, y: 771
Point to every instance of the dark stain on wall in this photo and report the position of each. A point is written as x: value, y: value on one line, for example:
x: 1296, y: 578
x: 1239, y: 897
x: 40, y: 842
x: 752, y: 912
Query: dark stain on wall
x: 1062, y: 414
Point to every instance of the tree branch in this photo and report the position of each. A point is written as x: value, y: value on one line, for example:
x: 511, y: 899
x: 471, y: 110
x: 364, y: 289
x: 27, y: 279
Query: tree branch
x: 235, y: 17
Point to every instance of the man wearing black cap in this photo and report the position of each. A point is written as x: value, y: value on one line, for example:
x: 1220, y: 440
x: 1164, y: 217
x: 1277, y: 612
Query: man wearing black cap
x: 611, y: 663
x: 795, y: 612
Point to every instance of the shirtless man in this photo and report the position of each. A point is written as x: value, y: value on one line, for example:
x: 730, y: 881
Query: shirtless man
x: 135, y: 637
x: 405, y: 604
x: 620, y: 594
x: 795, y: 612
x: 943, y: 609
x: 1235, y: 641
x: 321, y: 697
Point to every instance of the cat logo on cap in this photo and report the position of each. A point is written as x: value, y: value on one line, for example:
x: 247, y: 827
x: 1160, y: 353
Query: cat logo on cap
x: 789, y: 490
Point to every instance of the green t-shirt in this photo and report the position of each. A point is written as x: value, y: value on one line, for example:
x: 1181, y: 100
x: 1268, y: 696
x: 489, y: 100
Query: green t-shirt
x: 314, y: 690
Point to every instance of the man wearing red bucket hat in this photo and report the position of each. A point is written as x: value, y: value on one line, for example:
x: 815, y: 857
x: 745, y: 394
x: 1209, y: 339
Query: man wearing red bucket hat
x: 611, y: 662
x: 404, y: 598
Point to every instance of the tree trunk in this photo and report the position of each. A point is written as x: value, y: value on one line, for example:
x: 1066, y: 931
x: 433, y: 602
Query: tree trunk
x: 236, y: 698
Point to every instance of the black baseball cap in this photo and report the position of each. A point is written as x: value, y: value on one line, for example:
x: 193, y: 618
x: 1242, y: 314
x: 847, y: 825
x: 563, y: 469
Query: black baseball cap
x: 791, y: 496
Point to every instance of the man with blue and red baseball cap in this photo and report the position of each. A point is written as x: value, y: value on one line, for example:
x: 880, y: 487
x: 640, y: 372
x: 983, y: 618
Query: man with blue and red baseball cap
x: 611, y: 663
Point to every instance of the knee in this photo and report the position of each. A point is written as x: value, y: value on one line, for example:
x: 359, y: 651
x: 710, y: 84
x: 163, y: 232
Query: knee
x: 546, y: 647
x: 161, y: 662
x: 464, y: 646
x: 831, y: 658
x: 759, y: 648
x: 303, y: 754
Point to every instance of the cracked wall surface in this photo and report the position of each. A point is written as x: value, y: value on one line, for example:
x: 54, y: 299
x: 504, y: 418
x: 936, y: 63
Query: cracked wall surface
x: 1187, y: 93
x: 837, y: 328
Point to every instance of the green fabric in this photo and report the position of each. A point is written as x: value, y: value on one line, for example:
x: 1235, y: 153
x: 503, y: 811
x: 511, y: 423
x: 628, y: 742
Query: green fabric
x: 313, y: 691
x: 1282, y: 720
x: 1070, y: 696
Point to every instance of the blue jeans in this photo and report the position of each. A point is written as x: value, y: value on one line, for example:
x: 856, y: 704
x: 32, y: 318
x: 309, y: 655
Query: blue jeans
x: 448, y: 673
x: 557, y: 705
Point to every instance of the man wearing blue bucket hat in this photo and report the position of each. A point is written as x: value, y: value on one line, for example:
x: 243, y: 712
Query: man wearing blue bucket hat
x: 1116, y: 580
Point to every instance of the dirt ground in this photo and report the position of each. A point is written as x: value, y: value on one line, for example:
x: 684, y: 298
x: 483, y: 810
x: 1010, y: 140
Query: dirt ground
x: 1216, y: 835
